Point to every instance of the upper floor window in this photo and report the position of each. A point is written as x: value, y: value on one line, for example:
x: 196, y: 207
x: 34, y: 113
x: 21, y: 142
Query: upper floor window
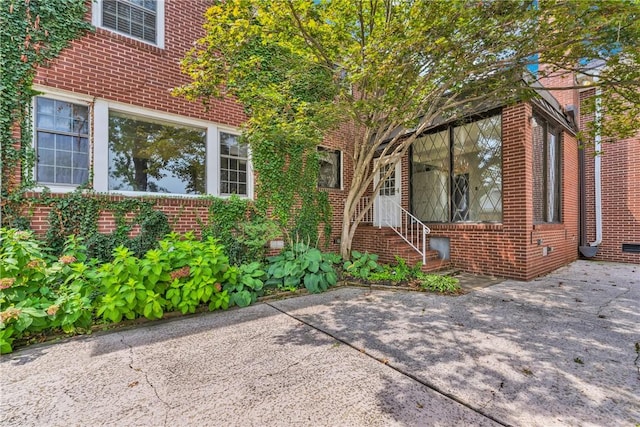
x: 139, y: 19
x: 546, y: 172
x: 61, y: 141
x: 330, y: 168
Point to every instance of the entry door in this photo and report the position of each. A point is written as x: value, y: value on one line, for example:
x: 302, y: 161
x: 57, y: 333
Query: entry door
x: 386, y: 206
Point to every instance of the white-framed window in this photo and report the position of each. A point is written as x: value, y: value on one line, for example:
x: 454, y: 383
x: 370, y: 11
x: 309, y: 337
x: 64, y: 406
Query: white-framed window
x: 139, y: 19
x: 234, y: 161
x: 134, y: 151
x: 61, y: 141
x: 330, y: 168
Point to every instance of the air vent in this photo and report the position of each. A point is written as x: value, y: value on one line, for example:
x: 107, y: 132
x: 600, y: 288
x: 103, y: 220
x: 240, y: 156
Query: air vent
x: 633, y: 248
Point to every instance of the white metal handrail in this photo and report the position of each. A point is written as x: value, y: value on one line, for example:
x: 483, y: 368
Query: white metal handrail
x: 362, y: 206
x: 411, y: 229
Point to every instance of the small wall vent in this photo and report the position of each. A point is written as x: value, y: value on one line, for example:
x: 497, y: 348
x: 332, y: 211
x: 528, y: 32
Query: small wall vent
x: 633, y: 248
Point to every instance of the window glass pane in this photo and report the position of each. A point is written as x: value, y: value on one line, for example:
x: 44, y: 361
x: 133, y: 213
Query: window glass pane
x: 546, y: 172
x: 430, y: 177
x: 538, y: 131
x: 233, y: 164
x: 155, y: 156
x: 45, y: 174
x: 44, y: 105
x: 477, y: 171
x: 63, y: 175
x: 66, y: 143
x: 80, y: 176
x: 553, y: 178
x: 63, y: 158
x: 44, y: 121
x: 46, y: 140
x: 329, y: 168
x: 46, y: 157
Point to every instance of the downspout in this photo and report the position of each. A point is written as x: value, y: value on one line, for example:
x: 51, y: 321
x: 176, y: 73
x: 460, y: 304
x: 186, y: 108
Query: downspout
x: 591, y: 250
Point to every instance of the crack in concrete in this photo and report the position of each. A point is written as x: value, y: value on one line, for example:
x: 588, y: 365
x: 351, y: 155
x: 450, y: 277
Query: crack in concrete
x: 621, y: 294
x: 425, y: 383
x: 146, y: 378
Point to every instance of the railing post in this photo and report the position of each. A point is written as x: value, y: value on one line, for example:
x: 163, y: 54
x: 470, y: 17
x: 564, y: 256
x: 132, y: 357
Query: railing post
x: 424, y: 246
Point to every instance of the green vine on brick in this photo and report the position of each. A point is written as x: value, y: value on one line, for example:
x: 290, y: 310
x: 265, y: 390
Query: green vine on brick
x: 32, y: 33
x: 78, y: 214
x: 287, y: 103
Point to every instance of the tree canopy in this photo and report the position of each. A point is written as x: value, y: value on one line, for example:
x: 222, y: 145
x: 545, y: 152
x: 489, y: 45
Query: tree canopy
x: 303, y: 67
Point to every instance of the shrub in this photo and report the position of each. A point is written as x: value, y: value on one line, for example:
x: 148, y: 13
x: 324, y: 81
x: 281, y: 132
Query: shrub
x: 181, y: 275
x: 399, y: 272
x: 240, y: 229
x: 361, y: 265
x: 301, y: 265
x: 39, y: 292
x: 438, y: 283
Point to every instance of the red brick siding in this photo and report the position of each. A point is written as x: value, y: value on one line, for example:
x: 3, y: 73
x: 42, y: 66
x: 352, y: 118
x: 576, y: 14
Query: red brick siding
x: 509, y: 249
x: 111, y: 66
x: 620, y: 195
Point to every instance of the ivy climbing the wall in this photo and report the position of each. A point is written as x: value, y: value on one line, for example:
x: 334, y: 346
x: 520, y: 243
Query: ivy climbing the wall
x: 78, y: 214
x: 31, y: 34
x: 287, y: 103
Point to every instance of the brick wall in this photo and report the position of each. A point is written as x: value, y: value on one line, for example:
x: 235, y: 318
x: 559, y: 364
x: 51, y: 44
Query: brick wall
x: 183, y: 214
x: 110, y: 66
x: 513, y: 248
x: 620, y: 195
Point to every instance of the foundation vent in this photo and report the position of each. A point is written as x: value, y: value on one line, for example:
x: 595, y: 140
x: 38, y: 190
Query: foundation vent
x: 633, y: 248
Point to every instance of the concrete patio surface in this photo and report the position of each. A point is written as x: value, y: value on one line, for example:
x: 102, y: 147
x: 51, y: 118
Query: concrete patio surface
x: 560, y: 350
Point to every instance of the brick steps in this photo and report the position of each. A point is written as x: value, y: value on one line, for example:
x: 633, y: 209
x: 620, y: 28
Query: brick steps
x: 387, y: 244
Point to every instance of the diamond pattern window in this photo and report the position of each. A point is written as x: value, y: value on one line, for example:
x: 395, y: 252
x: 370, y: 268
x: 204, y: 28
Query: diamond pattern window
x: 233, y: 165
x: 62, y: 142
x: 457, y: 173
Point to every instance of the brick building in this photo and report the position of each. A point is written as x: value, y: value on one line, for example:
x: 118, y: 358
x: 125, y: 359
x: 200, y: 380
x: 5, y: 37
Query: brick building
x: 498, y: 191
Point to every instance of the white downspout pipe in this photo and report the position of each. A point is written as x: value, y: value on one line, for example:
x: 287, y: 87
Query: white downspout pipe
x: 598, y: 171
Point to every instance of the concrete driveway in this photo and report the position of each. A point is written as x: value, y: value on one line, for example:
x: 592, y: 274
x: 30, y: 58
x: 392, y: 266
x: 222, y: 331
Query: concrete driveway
x: 561, y: 350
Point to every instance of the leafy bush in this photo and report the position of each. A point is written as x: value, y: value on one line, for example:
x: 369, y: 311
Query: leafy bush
x: 39, y: 292
x: 438, y: 283
x: 181, y: 275
x: 399, y: 272
x: 301, y: 265
x: 245, y: 284
x: 240, y: 229
x: 361, y: 265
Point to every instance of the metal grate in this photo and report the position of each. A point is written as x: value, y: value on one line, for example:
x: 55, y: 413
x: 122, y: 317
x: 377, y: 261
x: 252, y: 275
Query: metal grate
x: 633, y: 248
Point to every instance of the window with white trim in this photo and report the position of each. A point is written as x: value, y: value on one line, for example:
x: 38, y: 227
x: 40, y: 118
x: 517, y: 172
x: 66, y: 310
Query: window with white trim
x: 139, y: 19
x: 330, y: 168
x: 61, y: 142
x: 155, y: 156
x: 233, y: 165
